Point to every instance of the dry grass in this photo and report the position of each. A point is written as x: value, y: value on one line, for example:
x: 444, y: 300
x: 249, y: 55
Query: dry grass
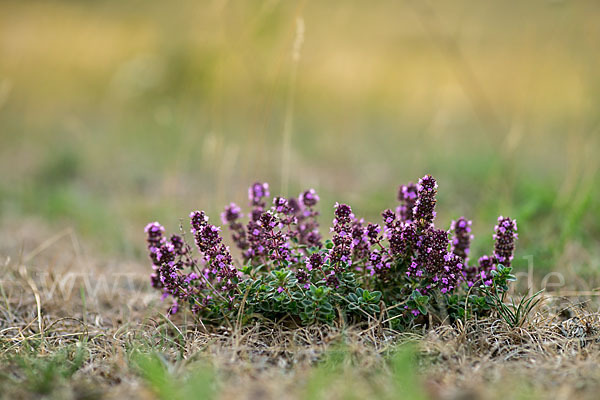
x: 554, y: 355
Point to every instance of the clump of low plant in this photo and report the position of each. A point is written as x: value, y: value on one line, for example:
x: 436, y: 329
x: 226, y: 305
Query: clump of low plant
x: 405, y: 267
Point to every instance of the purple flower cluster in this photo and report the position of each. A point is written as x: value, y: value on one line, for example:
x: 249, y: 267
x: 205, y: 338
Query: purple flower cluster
x: 256, y: 194
x: 179, y: 245
x: 480, y: 274
x: 434, y: 262
x: 340, y: 254
x: 407, y: 196
x: 314, y: 262
x: 285, y: 212
x: 424, y: 210
x: 254, y: 247
x: 154, y: 239
x: 380, y: 260
x: 486, y: 265
x: 231, y: 217
x: 505, y: 236
x: 307, y: 225
x: 406, y: 253
x: 169, y: 257
x: 273, y: 239
x: 360, y: 241
x: 402, y: 235
x: 218, y: 261
x: 461, y: 241
x: 267, y: 237
x: 303, y: 278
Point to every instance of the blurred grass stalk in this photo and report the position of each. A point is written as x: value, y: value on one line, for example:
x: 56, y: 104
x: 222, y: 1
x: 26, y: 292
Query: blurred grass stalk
x: 289, y: 115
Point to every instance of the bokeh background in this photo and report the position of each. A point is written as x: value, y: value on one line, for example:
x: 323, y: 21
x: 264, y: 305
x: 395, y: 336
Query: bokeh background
x: 113, y: 114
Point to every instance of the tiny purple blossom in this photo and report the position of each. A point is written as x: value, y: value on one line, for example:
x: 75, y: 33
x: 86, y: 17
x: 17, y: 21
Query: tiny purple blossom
x: 232, y: 213
x: 257, y: 191
x: 309, y: 198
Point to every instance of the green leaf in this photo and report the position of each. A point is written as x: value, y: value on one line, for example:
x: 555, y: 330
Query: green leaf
x: 353, y: 298
x: 376, y: 296
x: 373, y: 308
x: 297, y: 295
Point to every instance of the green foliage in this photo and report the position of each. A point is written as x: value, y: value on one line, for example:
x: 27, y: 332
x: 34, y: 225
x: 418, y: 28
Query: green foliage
x: 502, y: 277
x: 44, y: 374
x: 340, y: 374
x: 514, y: 314
x: 417, y: 301
x: 168, y: 382
x: 278, y: 293
x: 364, y: 301
x: 317, y: 305
x: 405, y: 379
x: 491, y: 300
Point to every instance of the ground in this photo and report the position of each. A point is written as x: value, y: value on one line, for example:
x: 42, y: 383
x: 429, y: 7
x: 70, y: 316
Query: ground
x: 68, y: 334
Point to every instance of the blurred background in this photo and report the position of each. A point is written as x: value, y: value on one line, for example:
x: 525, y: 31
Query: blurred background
x: 114, y: 114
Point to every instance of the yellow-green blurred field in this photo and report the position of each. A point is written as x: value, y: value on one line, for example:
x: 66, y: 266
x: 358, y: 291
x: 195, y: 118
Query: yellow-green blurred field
x: 116, y: 113
x: 113, y: 114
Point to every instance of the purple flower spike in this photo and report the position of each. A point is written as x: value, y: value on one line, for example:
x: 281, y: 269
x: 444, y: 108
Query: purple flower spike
x: 304, y: 217
x: 505, y: 236
x: 461, y: 242
x: 219, y: 263
x: 303, y: 278
x: 315, y: 261
x: 424, y: 210
x: 154, y: 232
x: 166, y: 253
x: 486, y: 265
x: 342, y: 238
x: 407, y: 196
x: 373, y: 231
x: 360, y: 241
x: 178, y: 245
x: 389, y: 219
x: 198, y: 219
x: 309, y: 198
x: 332, y: 280
x: 256, y: 192
x: 231, y: 214
x: 479, y: 274
x: 155, y: 239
